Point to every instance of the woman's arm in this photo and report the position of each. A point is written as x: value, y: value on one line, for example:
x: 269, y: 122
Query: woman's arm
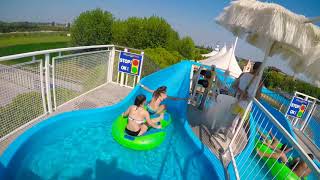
x: 262, y: 135
x: 288, y: 150
x: 126, y: 114
x: 177, y: 98
x: 146, y: 88
x: 273, y: 155
x: 150, y: 122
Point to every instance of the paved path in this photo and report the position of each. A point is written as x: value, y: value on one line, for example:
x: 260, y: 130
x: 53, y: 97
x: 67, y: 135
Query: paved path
x: 306, y: 144
x: 214, y: 143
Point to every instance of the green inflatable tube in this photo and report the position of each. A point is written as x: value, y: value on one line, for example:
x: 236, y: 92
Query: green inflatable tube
x: 151, y: 139
x: 285, y: 171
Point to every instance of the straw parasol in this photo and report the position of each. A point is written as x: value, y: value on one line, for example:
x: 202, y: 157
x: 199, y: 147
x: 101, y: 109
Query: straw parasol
x: 277, y: 31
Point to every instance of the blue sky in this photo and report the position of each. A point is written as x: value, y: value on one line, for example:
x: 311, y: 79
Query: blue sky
x: 194, y: 18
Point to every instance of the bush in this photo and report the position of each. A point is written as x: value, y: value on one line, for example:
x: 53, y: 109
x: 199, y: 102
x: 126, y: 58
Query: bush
x: 186, y: 47
x: 91, y: 28
x: 162, y: 57
x: 143, y: 33
x: 276, y: 80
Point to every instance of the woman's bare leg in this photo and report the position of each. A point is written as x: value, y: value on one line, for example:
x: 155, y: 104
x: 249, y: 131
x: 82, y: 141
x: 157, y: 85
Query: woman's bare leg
x: 161, y: 109
x: 273, y: 155
x: 274, y: 143
x: 158, y: 119
x: 143, y: 129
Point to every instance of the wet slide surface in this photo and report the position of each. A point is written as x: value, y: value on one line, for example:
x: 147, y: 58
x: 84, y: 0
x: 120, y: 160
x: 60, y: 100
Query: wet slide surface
x: 79, y: 145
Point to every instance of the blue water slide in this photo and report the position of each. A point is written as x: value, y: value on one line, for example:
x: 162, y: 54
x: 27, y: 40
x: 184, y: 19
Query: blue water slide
x: 176, y: 78
x: 279, y: 98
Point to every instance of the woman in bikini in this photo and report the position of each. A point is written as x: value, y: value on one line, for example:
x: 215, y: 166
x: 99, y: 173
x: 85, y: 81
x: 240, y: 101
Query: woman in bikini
x: 155, y: 106
x: 139, y: 118
x: 158, y: 95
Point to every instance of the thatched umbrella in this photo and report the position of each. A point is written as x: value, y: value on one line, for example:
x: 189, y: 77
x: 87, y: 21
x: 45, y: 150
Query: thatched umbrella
x: 277, y: 31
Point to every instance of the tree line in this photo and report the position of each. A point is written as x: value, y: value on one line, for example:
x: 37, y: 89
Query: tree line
x: 7, y: 27
x: 153, y: 34
x: 275, y: 80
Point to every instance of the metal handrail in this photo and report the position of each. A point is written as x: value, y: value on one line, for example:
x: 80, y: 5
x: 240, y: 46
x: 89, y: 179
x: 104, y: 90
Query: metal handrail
x: 35, y: 53
x: 285, y: 133
x: 292, y: 141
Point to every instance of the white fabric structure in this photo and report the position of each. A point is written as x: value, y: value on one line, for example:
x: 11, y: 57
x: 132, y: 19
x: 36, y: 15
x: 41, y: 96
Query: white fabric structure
x: 220, y: 53
x: 277, y: 31
x: 225, y: 61
x: 212, y: 53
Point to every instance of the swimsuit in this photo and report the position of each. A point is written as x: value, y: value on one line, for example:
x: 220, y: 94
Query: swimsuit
x: 137, y: 121
x: 150, y: 110
x: 132, y: 133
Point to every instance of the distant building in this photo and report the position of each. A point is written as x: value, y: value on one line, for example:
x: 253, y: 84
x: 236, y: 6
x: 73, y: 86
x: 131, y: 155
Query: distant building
x: 248, y: 67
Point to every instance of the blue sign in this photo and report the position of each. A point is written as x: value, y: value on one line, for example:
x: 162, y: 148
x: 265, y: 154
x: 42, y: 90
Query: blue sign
x: 297, y: 107
x: 130, y: 63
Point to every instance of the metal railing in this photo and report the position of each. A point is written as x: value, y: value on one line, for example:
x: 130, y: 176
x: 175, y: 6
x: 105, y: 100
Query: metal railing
x: 253, y: 162
x: 277, y: 100
x: 309, y: 124
x: 51, y: 78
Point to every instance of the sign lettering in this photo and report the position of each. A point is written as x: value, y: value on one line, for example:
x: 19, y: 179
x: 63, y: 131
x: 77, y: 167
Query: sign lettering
x: 297, y: 107
x: 130, y: 63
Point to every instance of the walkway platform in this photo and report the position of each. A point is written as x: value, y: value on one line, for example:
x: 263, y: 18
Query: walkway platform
x: 306, y: 144
x: 105, y: 95
x: 218, y: 143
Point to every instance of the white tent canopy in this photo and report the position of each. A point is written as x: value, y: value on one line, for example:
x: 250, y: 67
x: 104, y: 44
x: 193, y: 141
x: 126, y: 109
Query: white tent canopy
x: 220, y: 53
x: 225, y: 61
x: 212, y: 53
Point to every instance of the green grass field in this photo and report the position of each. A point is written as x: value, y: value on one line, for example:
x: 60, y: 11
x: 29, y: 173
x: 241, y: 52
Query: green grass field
x: 6, y: 41
x: 22, y: 43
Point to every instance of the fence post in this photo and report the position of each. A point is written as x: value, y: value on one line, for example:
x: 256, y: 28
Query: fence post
x: 234, y: 163
x: 43, y: 96
x: 122, y: 74
x: 47, y: 80
x: 141, y: 66
x: 54, y: 83
x: 110, y: 64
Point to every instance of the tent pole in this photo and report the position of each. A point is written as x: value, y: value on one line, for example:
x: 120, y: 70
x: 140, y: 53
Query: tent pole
x: 233, y: 49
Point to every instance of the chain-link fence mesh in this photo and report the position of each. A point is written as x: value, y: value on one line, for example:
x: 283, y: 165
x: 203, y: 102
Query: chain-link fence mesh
x: 79, y: 73
x: 149, y: 66
x: 20, y: 95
